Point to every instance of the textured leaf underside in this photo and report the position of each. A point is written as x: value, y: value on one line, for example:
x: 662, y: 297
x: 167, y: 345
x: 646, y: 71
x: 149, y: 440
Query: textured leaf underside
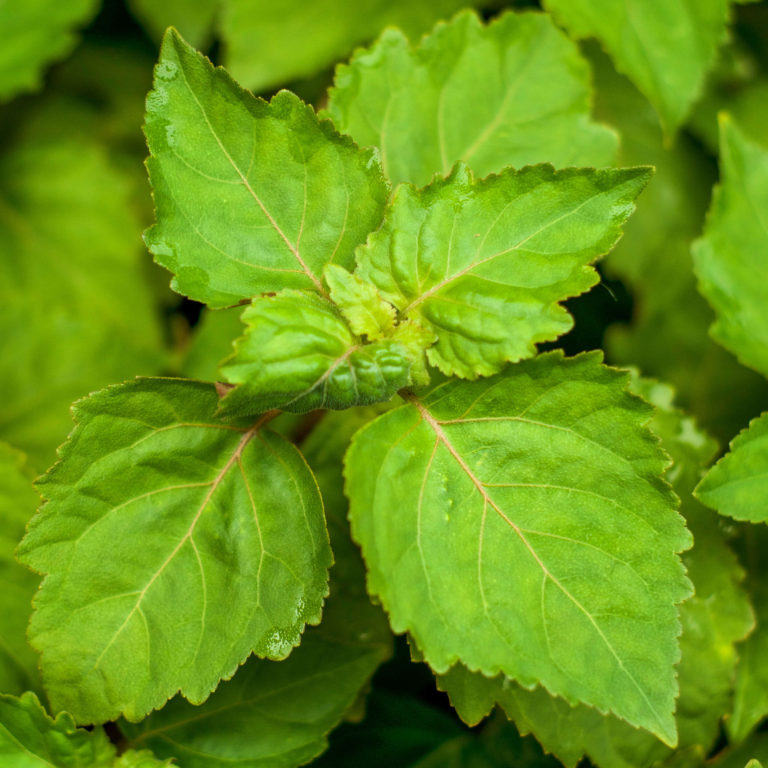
x: 484, y: 264
x: 730, y: 260
x: 665, y: 48
x: 298, y: 354
x: 174, y: 546
x: 519, y: 524
x: 514, y: 92
x: 250, y: 196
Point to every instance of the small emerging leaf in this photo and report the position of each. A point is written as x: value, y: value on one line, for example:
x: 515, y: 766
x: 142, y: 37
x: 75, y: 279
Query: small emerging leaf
x: 299, y: 354
x: 250, y: 196
x: 520, y: 524
x: 175, y: 545
x: 366, y: 312
x: 485, y: 264
x: 513, y: 92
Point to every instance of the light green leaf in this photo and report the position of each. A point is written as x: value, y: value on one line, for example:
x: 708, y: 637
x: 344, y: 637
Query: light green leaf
x: 755, y: 749
x: 730, y: 259
x: 35, y: 34
x: 153, y: 498
x: 519, y: 524
x: 29, y: 738
x: 514, y: 92
x: 665, y: 48
x: 193, y: 18
x: 18, y: 501
x: 714, y: 619
x: 299, y: 354
x: 268, y: 44
x: 737, y: 485
x: 250, y: 196
x: 276, y: 714
x: 360, y: 303
x: 484, y: 264
x: 76, y: 309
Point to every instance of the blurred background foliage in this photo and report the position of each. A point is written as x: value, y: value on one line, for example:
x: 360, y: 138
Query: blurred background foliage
x: 82, y: 305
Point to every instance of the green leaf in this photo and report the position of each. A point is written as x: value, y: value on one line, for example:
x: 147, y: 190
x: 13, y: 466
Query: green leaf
x: 737, y: 485
x: 250, y: 196
x: 299, y: 354
x: 76, y: 309
x: 665, y: 48
x: 34, y: 34
x: 484, y: 264
x: 713, y: 619
x: 360, y: 303
x: 729, y: 259
x: 519, y: 524
x: 276, y: 714
x: 268, y: 44
x: 193, y: 18
x: 18, y: 501
x: 514, y: 92
x: 29, y: 738
x: 153, y: 498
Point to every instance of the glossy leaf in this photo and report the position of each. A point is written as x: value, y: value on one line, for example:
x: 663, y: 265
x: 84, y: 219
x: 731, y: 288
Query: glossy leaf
x: 665, y: 48
x: 514, y: 92
x: 76, y: 309
x: 18, y: 502
x: 35, y: 34
x: 730, y: 258
x: 519, y: 525
x: 737, y: 485
x: 268, y: 44
x: 484, y: 264
x: 299, y: 354
x: 153, y: 498
x: 29, y: 738
x: 250, y: 196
